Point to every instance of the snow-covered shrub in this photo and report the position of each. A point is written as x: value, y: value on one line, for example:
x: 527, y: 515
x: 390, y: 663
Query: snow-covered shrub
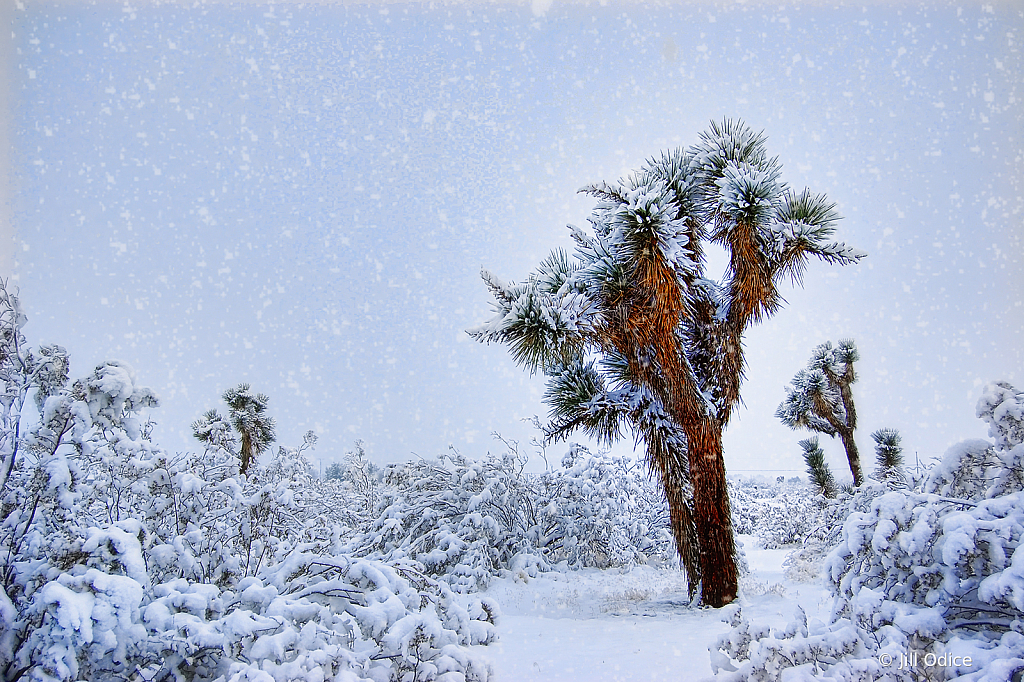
x: 294, y: 603
x: 461, y: 519
x: 744, y: 510
x: 928, y: 572
x: 601, y: 511
x: 315, y: 616
x: 359, y: 475
x: 349, y: 492
x: 70, y: 560
x: 1002, y: 407
x: 804, y: 563
x: 232, y: 579
x: 466, y: 521
x: 779, y: 514
x: 83, y: 623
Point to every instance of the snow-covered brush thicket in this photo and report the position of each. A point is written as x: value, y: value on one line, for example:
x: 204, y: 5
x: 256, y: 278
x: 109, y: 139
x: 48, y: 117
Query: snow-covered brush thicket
x: 934, y: 570
x: 779, y: 514
x: 119, y: 561
x: 466, y: 521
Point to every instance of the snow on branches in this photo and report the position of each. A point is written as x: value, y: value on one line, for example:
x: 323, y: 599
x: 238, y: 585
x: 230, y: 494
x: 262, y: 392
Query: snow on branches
x: 466, y: 521
x: 120, y: 561
x: 634, y: 311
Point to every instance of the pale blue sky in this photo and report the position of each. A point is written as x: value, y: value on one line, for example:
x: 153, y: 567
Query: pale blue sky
x: 302, y: 198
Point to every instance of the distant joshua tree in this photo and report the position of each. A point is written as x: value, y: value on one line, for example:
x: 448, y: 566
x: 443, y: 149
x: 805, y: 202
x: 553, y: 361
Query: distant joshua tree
x: 820, y: 398
x: 247, y: 414
x: 334, y: 472
x: 632, y: 334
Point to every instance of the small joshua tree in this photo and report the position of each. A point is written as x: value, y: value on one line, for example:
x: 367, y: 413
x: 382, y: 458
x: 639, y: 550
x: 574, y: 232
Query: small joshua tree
x: 820, y: 398
x: 821, y: 477
x: 247, y: 411
x: 247, y: 415
x: 889, y: 455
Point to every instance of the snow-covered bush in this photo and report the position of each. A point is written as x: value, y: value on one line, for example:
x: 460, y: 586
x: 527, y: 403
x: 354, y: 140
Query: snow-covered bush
x: 779, y: 514
x: 82, y: 621
x: 466, y: 521
x: 1002, y: 407
x: 355, y: 486
x: 315, y: 616
x: 242, y: 581
x: 826, y: 529
x: 600, y: 511
x: 72, y: 575
x: 461, y: 519
x: 930, y: 572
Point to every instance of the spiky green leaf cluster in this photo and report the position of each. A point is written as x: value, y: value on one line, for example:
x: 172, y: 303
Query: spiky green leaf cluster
x: 822, y: 480
x: 249, y: 416
x: 544, y: 319
x: 579, y: 401
x: 214, y: 430
x: 889, y: 458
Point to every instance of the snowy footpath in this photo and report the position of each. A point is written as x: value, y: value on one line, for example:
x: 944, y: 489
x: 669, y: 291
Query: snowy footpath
x: 629, y: 625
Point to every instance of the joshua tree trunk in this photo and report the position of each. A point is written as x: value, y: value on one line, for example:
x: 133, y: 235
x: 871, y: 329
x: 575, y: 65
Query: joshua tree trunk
x: 712, y: 518
x: 846, y: 434
x: 671, y: 466
x: 703, y: 528
x: 852, y: 455
x: 246, y: 453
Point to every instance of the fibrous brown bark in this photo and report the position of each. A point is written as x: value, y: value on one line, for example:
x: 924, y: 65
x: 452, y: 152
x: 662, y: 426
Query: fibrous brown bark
x: 246, y: 453
x: 711, y: 514
x: 702, y: 527
x: 671, y: 465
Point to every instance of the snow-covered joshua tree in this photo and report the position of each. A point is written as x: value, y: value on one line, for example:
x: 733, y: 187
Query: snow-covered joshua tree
x: 820, y: 398
x: 247, y: 415
x: 633, y: 335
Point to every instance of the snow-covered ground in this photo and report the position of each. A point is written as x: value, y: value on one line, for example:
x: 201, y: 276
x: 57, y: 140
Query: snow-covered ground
x: 629, y: 625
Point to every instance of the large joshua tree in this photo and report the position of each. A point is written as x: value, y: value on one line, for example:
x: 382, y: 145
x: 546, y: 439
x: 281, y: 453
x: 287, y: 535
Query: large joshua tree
x: 632, y: 334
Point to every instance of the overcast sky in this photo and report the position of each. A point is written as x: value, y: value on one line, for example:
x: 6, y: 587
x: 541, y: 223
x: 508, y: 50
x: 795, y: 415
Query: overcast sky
x: 302, y: 197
